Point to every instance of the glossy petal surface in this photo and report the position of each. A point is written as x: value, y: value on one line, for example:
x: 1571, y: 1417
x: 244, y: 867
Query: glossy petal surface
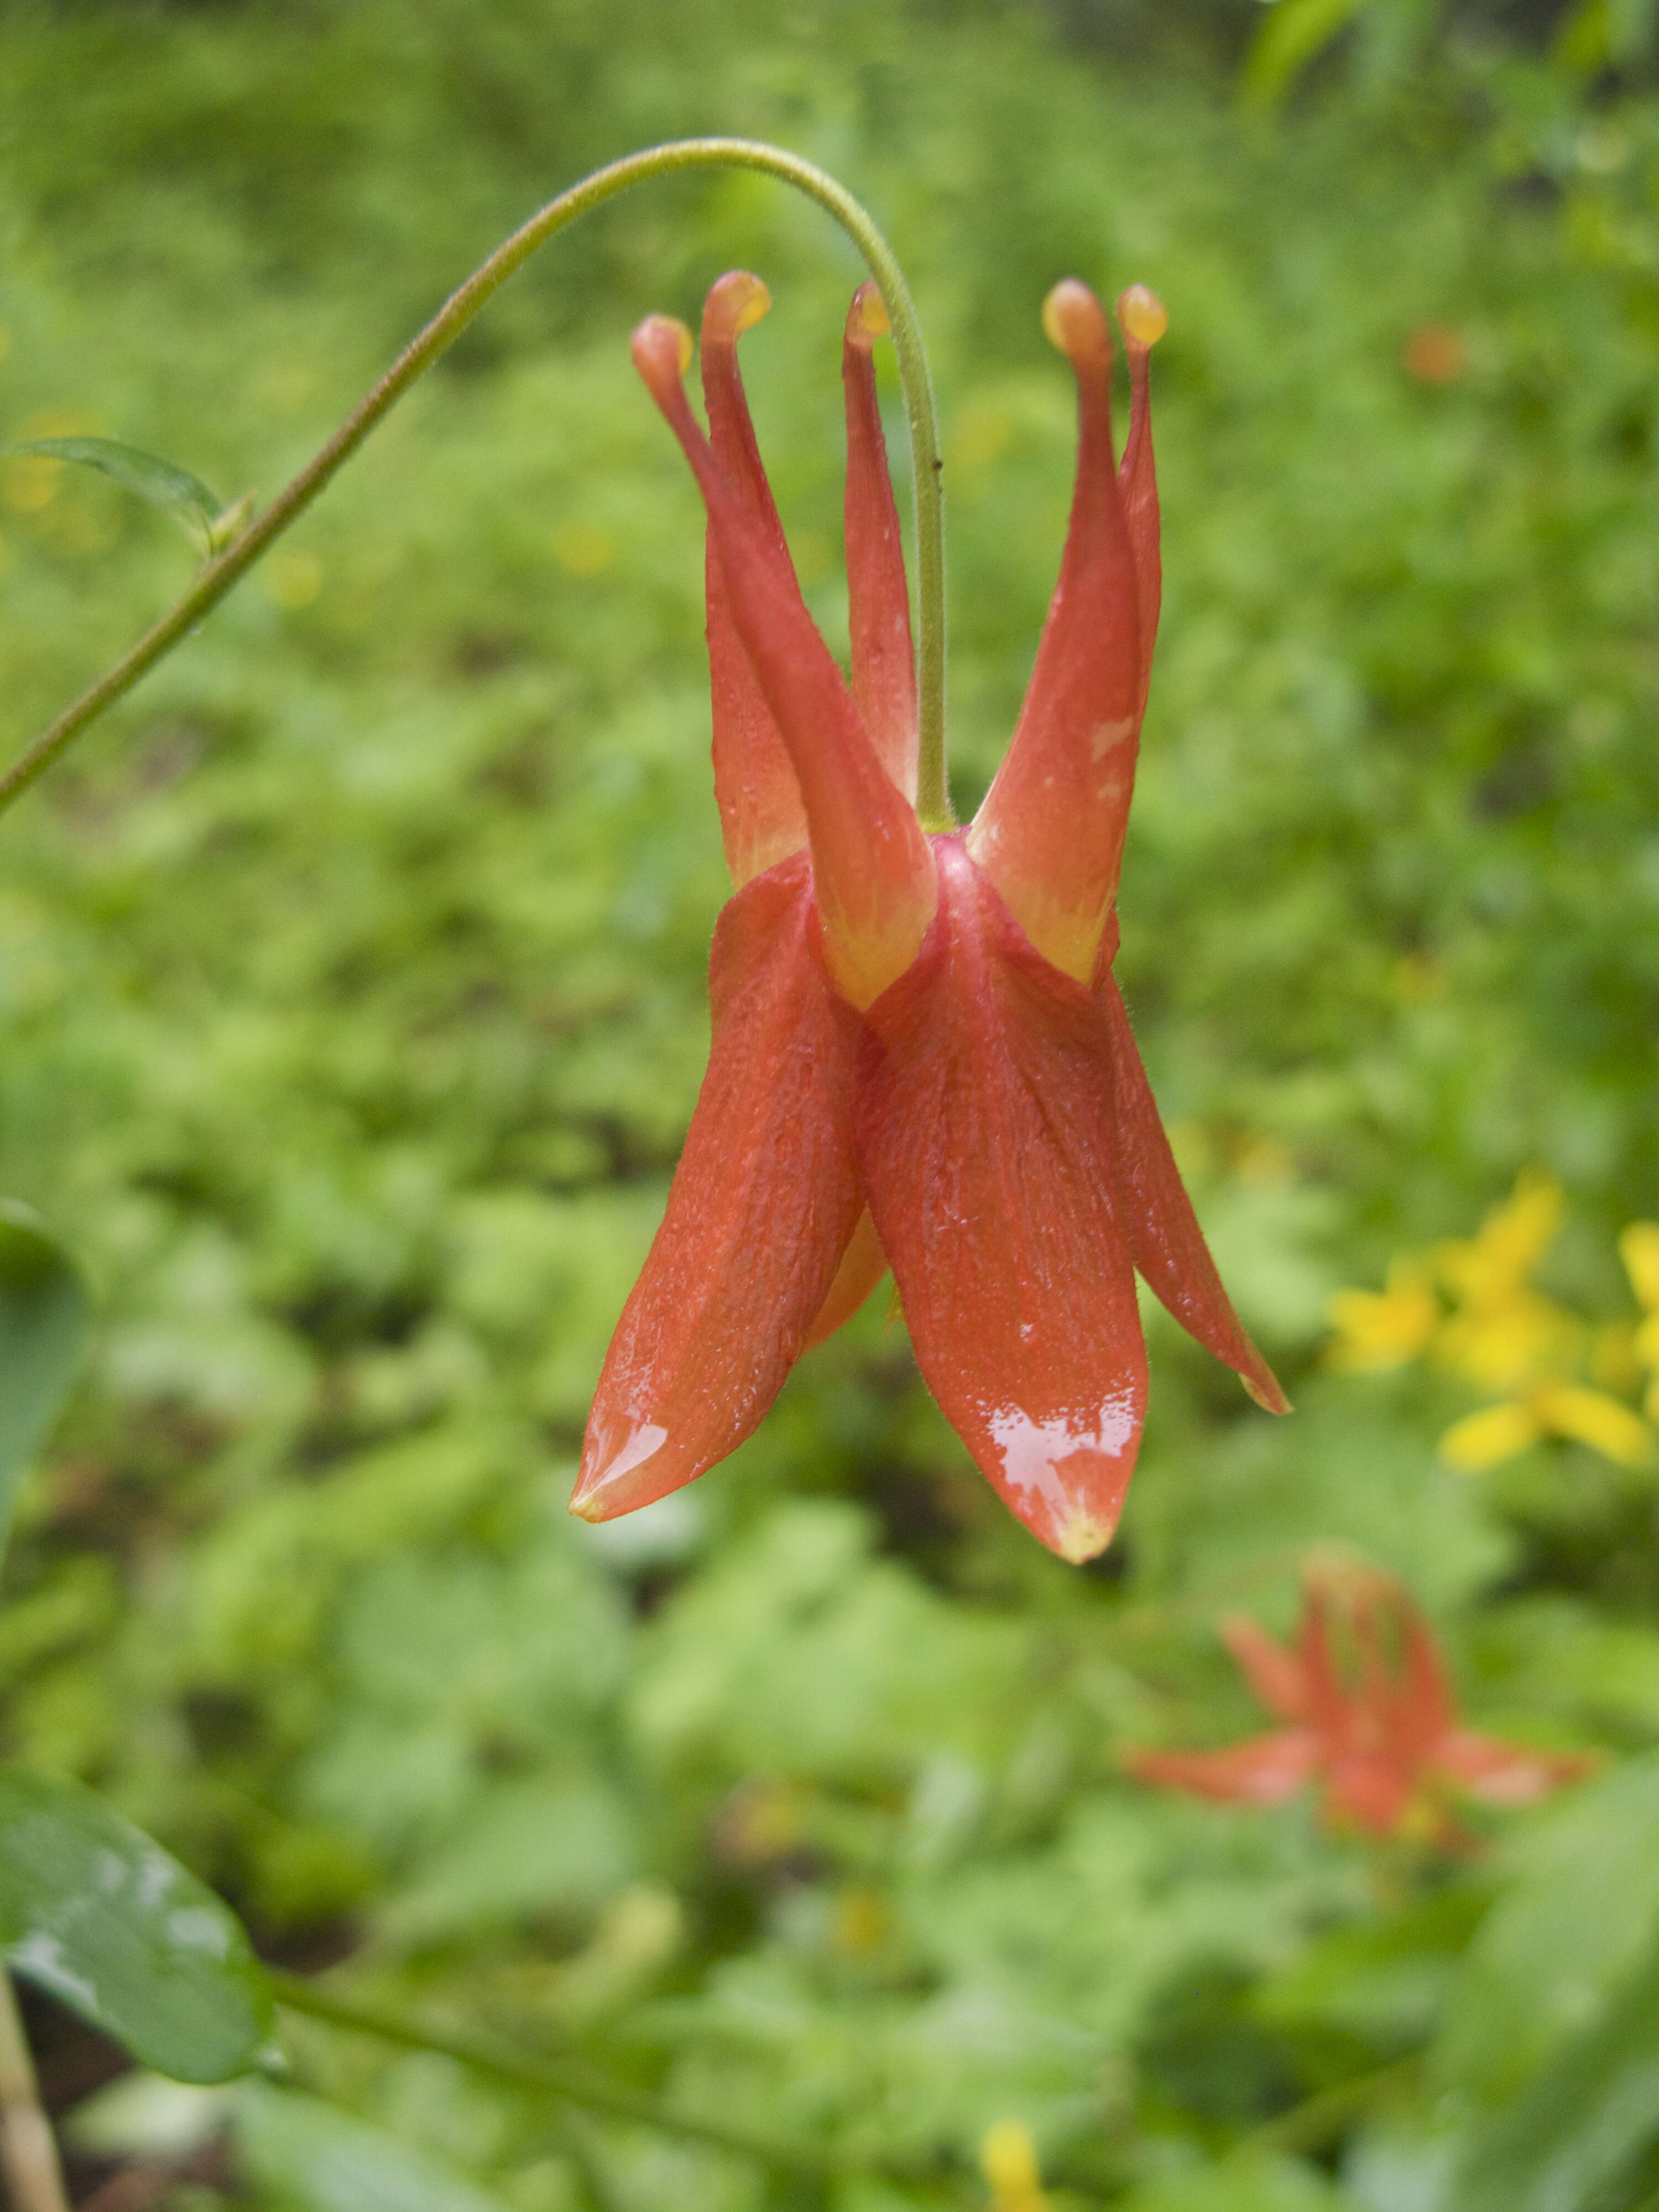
x: 872, y: 874
x: 985, y: 1137
x: 878, y: 598
x: 1050, y: 834
x: 763, y: 1203
x: 1164, y: 1238
x: 1137, y: 481
x: 761, y: 817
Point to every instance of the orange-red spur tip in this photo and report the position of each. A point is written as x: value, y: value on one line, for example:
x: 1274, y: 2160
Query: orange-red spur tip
x: 1141, y: 316
x: 867, y: 319
x: 1074, y: 323
x: 736, y: 302
x: 661, y: 347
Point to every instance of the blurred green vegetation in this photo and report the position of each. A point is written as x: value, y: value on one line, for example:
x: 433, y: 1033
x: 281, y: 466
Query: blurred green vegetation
x: 352, y: 989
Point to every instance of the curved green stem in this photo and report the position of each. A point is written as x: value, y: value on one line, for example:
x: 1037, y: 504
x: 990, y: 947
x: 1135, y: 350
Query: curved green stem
x: 447, y: 326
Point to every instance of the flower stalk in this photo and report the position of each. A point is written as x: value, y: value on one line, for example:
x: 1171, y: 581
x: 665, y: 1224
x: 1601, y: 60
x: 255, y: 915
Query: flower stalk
x: 29, y: 2151
x: 228, y: 567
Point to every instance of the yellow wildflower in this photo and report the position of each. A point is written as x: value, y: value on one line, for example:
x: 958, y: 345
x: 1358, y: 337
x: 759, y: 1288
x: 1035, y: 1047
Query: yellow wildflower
x: 1008, y: 2160
x: 1638, y: 1248
x: 1569, y: 1410
x: 1508, y: 1345
x: 1509, y: 1341
x: 1490, y: 1265
x: 1379, y: 1329
x: 1487, y: 1438
x: 1503, y: 1334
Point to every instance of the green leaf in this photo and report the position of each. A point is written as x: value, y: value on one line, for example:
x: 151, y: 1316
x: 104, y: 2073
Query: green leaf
x: 1562, y: 1937
x: 1630, y: 28
x: 205, y: 518
x: 1294, y: 33
x: 44, y: 1314
x: 96, y: 1912
x: 1579, y: 2124
x: 310, y: 2154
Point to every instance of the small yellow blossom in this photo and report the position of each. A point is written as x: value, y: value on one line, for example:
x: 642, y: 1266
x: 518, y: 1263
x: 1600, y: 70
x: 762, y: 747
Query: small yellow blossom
x: 1379, y: 1329
x: 1509, y: 1344
x: 1568, y: 1410
x: 1508, y: 1244
x: 1638, y: 1248
x: 1590, y: 1417
x: 1510, y: 1341
x: 1503, y: 1334
x: 1008, y: 2160
x: 1486, y: 1438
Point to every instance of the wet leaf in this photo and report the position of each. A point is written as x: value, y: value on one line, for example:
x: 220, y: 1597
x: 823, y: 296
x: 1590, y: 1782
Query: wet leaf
x: 94, y: 1911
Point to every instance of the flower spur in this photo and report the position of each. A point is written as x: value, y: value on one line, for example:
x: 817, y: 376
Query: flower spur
x: 920, y: 1055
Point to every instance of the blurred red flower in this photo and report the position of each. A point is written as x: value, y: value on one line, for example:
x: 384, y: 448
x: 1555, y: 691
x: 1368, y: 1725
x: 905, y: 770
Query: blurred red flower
x: 1370, y: 1714
x: 1434, y: 353
x: 919, y: 1056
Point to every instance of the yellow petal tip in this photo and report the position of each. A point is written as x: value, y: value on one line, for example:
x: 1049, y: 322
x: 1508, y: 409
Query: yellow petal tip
x: 1073, y: 322
x: 736, y: 302
x: 1142, y: 316
x: 867, y: 318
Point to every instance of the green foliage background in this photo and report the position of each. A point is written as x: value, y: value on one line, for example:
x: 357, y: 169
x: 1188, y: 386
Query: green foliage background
x: 351, y: 981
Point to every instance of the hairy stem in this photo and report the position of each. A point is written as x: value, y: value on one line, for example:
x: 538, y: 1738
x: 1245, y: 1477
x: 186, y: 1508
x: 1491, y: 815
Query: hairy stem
x: 34, y: 2178
x: 447, y: 326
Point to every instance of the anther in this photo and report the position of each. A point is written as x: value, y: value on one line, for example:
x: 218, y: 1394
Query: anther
x: 1074, y: 325
x: 867, y: 319
x: 1142, y: 316
x: 661, y: 347
x: 736, y: 302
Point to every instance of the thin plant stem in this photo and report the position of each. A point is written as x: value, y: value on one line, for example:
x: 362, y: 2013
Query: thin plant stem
x: 1325, y: 2117
x: 447, y: 326
x: 575, y: 2084
x: 28, y: 2149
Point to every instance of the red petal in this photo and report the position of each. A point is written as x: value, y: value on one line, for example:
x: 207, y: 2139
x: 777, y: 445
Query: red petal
x: 1504, y: 1773
x: 1426, y: 1708
x: 1137, y: 478
x: 1050, y: 833
x: 762, y: 818
x: 764, y: 1202
x: 1263, y: 1770
x: 1329, y: 1702
x: 872, y: 873
x: 1164, y: 1238
x: 863, y: 1264
x: 1372, y: 1791
x: 878, y: 598
x: 1274, y: 1673
x: 985, y: 1137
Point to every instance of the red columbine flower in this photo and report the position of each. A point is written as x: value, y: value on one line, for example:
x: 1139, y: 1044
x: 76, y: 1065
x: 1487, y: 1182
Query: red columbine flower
x: 920, y: 1055
x: 1369, y: 1710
